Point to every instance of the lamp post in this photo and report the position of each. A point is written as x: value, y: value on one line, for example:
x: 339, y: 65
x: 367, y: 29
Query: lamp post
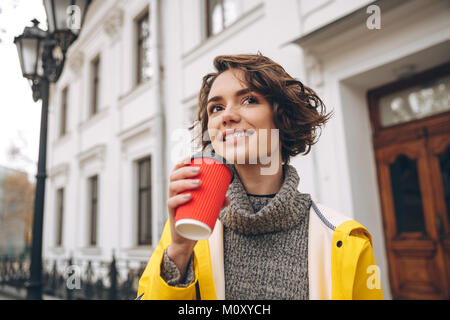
x: 42, y: 55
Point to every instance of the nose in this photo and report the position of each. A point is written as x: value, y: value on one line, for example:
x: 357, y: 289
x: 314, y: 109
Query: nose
x: 230, y: 115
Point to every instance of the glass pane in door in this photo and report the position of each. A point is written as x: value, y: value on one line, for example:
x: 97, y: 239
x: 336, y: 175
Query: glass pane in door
x: 444, y: 162
x: 407, y: 197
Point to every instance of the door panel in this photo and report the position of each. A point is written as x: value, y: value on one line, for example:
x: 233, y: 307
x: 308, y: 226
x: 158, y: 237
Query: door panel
x: 417, y: 263
x: 439, y: 154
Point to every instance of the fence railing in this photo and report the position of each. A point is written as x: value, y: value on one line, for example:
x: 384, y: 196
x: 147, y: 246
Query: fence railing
x: 78, y: 279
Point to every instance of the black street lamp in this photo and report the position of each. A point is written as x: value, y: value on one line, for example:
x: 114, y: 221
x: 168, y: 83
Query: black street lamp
x: 42, y: 56
x: 65, y: 18
x: 29, y: 47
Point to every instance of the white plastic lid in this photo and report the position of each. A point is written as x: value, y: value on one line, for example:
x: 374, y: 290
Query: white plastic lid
x: 193, y: 229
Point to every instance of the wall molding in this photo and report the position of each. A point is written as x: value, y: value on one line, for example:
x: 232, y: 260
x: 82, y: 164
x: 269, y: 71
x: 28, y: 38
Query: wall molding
x: 97, y: 152
x: 113, y: 23
x: 76, y: 62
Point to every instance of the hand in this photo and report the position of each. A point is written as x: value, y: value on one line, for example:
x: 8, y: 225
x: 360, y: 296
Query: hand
x: 182, y: 178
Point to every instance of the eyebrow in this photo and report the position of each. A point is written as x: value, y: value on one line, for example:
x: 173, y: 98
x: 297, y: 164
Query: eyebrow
x: 237, y: 94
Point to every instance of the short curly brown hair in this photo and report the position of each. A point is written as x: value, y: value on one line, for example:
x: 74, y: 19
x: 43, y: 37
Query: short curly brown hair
x: 297, y: 110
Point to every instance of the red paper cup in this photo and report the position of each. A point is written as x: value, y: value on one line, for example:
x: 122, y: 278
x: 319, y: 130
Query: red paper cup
x: 196, y: 219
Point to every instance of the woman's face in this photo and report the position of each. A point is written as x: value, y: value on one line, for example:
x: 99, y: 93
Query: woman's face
x: 232, y: 107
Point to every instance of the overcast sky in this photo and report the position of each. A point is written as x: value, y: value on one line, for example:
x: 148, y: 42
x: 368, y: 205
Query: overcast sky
x: 19, y: 114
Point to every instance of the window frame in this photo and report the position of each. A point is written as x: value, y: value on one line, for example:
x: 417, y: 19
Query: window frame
x: 93, y: 210
x: 139, y: 20
x: 95, y: 86
x: 144, y: 190
x: 209, y: 32
x: 63, y: 111
x: 59, y: 216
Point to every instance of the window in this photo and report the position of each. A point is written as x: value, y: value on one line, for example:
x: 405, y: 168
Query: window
x: 63, y: 113
x: 144, y: 201
x: 95, y: 81
x: 417, y: 102
x: 93, y: 210
x: 220, y: 14
x: 59, y: 216
x: 143, y: 48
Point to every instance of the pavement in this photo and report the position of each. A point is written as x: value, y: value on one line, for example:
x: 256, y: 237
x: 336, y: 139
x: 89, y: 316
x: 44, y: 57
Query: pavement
x: 11, y: 293
x: 8, y: 294
x: 5, y: 297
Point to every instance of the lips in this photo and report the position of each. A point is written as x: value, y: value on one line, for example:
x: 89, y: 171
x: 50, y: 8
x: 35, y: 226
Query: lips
x: 236, y: 132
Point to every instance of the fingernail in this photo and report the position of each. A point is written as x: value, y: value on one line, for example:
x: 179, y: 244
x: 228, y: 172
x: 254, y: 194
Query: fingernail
x: 185, y: 160
x: 187, y: 195
x: 196, y: 181
x: 195, y: 169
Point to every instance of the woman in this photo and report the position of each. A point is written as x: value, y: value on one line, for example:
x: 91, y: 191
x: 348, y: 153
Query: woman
x: 270, y: 241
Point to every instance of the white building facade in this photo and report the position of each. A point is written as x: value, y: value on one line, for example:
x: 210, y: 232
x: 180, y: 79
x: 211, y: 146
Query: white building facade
x: 115, y: 123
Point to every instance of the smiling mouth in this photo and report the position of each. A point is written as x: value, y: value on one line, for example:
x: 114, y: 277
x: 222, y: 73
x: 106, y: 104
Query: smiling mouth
x: 236, y: 136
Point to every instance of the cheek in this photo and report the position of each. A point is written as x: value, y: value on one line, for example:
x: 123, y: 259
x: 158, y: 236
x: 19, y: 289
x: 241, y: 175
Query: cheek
x: 260, y: 119
x: 267, y: 133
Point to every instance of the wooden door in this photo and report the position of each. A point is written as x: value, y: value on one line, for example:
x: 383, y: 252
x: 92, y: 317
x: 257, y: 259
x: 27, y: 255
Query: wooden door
x: 416, y: 247
x: 413, y: 169
x: 439, y: 155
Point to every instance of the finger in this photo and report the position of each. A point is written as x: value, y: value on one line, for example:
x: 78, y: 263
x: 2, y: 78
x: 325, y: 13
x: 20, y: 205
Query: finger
x: 175, y: 201
x: 183, y: 173
x: 183, y: 162
x: 179, y: 186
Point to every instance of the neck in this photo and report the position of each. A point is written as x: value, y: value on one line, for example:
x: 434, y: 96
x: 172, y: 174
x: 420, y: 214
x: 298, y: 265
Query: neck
x: 257, y: 183
x: 281, y: 212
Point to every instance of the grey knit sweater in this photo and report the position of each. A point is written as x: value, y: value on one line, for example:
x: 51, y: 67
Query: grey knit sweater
x: 265, y: 243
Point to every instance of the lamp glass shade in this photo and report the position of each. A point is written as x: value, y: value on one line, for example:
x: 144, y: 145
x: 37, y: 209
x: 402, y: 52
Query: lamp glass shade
x: 65, y: 15
x: 18, y: 44
x: 30, y: 55
x: 29, y: 47
x: 40, y: 66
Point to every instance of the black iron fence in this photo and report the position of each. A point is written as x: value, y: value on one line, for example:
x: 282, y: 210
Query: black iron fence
x: 77, y: 279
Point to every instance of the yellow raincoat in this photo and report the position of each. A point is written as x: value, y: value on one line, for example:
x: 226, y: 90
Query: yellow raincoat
x: 341, y: 264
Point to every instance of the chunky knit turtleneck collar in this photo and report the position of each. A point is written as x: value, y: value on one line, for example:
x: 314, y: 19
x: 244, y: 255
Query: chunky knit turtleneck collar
x: 281, y: 212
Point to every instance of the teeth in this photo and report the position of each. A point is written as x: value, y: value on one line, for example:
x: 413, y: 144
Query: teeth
x: 239, y: 134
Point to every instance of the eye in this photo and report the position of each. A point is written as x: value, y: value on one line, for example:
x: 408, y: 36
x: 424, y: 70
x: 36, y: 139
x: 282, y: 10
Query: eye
x: 211, y: 108
x: 246, y: 100
x: 250, y: 100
